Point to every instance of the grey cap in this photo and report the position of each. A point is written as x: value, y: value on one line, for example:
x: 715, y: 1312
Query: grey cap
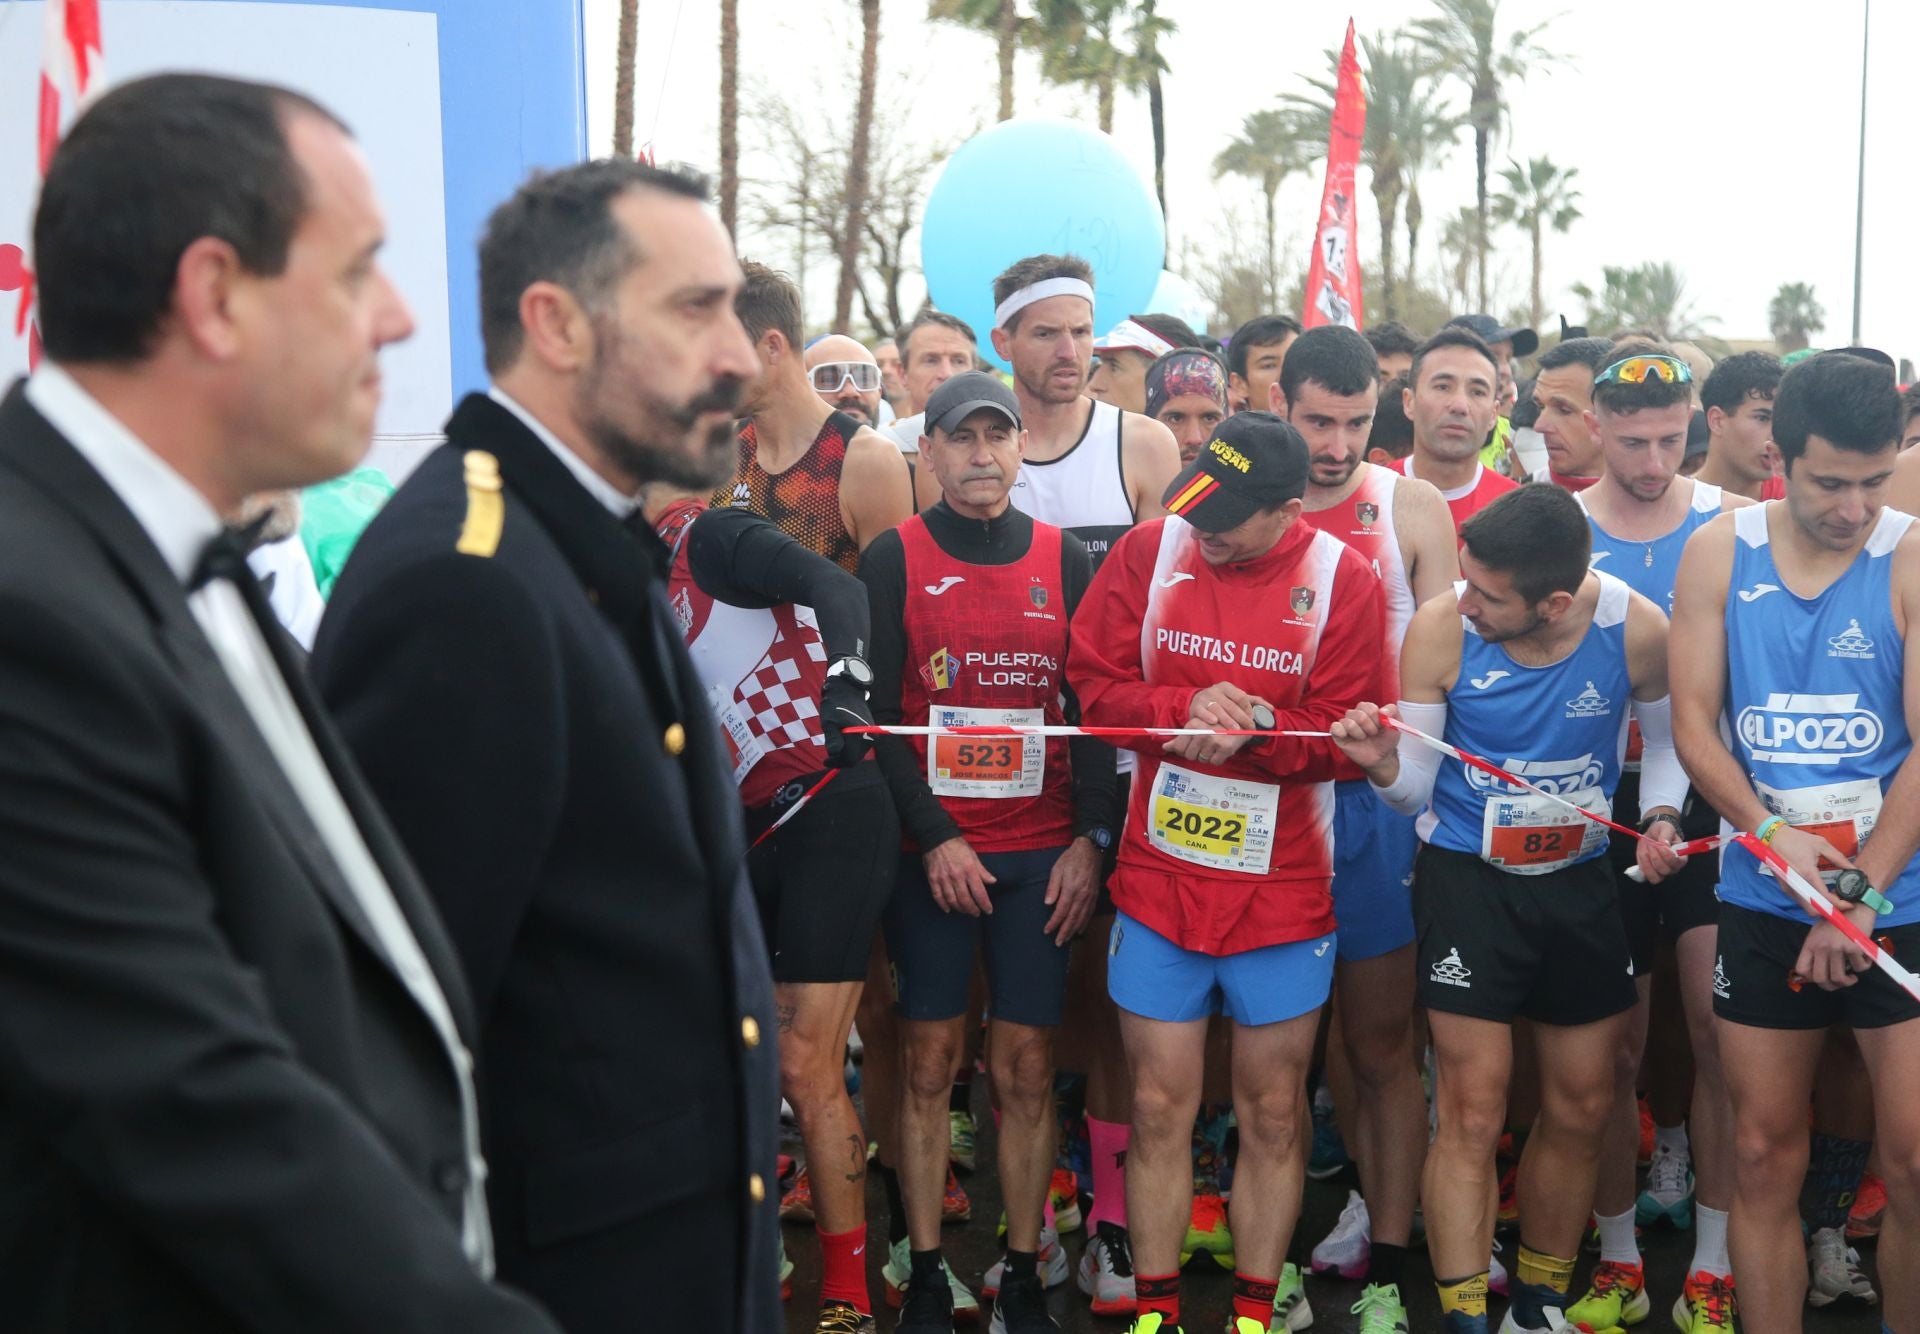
x: 964, y: 394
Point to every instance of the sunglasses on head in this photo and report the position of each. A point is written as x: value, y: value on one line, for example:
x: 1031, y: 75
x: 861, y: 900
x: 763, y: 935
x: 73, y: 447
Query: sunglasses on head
x: 1638, y: 370
x: 828, y: 376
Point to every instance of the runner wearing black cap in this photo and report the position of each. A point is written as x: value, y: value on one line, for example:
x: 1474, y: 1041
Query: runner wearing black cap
x: 1223, y: 614
x: 971, y: 601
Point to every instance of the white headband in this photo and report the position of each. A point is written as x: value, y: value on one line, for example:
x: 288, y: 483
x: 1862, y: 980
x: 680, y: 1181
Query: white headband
x: 1040, y: 291
x: 1139, y: 337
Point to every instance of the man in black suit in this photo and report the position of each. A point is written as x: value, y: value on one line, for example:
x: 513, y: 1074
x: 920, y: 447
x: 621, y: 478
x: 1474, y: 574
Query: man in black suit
x: 502, y: 658
x: 234, y: 1084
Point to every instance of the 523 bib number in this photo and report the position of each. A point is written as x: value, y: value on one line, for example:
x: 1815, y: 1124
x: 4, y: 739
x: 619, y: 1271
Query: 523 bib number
x: 986, y: 766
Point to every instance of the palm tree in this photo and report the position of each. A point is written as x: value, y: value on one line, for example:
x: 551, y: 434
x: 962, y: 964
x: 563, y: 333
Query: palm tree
x: 1463, y: 40
x: 1538, y: 196
x: 1650, y: 296
x: 1459, y: 249
x: 1086, y: 41
x: 998, y: 17
x: 1427, y: 136
x: 1399, y: 106
x: 623, y: 56
x: 1793, y: 316
x: 729, y: 111
x: 857, y: 163
x: 1271, y: 147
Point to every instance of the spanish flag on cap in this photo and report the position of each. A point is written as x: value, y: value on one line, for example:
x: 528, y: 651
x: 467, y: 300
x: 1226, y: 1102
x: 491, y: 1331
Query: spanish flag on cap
x: 1255, y: 461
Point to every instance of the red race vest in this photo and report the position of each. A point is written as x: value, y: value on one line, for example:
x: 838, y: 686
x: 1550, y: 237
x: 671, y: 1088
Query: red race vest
x: 987, y: 644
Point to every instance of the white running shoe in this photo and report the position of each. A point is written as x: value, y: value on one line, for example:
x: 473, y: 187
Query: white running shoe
x: 1346, y: 1249
x: 1496, y: 1272
x: 1052, y: 1266
x: 1106, y: 1271
x: 1833, y: 1271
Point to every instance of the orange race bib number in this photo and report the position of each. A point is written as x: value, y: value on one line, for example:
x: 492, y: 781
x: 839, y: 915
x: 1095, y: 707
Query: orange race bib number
x: 1842, y: 813
x: 1529, y: 835
x: 986, y: 766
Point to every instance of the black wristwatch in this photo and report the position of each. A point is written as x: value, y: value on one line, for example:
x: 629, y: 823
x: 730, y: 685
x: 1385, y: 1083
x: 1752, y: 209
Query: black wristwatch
x: 1854, y: 887
x: 855, y: 669
x: 1649, y: 822
x: 1097, y: 834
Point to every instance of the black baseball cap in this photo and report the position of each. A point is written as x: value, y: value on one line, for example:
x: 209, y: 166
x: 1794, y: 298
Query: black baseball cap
x: 962, y: 395
x: 1254, y: 462
x: 1525, y: 341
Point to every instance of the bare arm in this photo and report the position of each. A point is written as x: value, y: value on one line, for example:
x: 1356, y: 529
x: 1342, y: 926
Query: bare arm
x: 1903, y: 491
x: 1429, y: 665
x: 1428, y: 544
x: 1896, y: 835
x: 1697, y: 665
x: 875, y: 492
x: 1646, y: 649
x: 1150, y: 459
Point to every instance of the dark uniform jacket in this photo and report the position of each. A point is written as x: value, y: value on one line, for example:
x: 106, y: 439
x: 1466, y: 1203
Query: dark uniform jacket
x: 501, y: 656
x: 220, y: 1107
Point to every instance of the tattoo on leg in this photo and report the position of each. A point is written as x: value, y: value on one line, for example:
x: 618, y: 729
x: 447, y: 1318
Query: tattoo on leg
x: 859, y: 1158
x: 786, y: 1015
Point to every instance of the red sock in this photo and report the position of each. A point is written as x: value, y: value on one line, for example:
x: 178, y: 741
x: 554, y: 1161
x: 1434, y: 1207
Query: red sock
x: 1108, y: 1142
x: 843, y: 1269
x: 1160, y: 1296
x: 1253, y: 1297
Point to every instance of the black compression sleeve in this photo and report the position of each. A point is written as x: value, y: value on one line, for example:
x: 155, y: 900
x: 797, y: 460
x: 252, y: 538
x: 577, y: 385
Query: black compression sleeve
x: 883, y: 569
x: 742, y: 559
x: 1096, y: 789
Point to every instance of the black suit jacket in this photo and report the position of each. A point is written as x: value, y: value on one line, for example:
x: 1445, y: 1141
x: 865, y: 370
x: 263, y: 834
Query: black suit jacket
x: 220, y: 1109
x: 512, y: 707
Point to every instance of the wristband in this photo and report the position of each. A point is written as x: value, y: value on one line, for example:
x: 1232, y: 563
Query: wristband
x: 1663, y: 817
x: 1854, y: 887
x: 1770, y: 826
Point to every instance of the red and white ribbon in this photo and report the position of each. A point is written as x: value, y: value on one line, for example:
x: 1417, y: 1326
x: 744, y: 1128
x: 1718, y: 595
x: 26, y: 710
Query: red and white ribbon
x: 995, y: 729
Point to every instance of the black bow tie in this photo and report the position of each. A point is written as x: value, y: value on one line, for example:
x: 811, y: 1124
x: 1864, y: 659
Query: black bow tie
x: 225, y: 555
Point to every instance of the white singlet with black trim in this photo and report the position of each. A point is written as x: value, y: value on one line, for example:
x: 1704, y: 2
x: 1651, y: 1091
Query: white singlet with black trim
x: 1084, y: 490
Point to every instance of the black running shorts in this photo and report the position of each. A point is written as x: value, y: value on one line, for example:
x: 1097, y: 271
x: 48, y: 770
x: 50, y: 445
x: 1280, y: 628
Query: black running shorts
x: 824, y: 878
x: 1752, y: 978
x: 1494, y: 945
x: 1677, y: 904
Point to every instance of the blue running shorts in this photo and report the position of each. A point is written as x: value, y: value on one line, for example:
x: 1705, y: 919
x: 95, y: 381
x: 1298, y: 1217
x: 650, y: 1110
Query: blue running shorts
x: 1373, y: 851
x: 1150, y: 976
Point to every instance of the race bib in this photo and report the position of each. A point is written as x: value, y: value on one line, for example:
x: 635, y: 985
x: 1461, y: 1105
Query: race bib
x: 1529, y: 835
x: 744, y: 749
x: 1842, y: 813
x: 986, y: 766
x: 1223, y: 823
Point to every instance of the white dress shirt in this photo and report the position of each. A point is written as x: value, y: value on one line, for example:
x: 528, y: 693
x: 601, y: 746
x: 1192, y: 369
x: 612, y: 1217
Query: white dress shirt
x: 181, y: 522
x: 619, y: 504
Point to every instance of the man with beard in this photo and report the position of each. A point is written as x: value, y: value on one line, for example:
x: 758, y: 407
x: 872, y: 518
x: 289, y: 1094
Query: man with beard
x: 1450, y: 399
x: 826, y: 479
x: 505, y: 664
x: 1563, y: 393
x: 846, y: 377
x: 1187, y: 394
x: 1401, y: 527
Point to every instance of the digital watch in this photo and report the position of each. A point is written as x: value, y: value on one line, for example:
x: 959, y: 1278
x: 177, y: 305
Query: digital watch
x: 1854, y: 887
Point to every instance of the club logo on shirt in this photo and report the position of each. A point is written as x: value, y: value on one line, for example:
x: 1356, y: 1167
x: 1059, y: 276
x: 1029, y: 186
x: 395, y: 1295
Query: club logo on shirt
x: 1589, y: 703
x: 1301, y: 601
x: 1451, y: 971
x: 1367, y: 512
x: 683, y: 610
x: 938, y: 671
x: 1564, y: 777
x: 1757, y: 592
x: 1809, y: 729
x: 1482, y: 682
x: 935, y: 590
x: 1037, y: 595
x: 1851, y: 642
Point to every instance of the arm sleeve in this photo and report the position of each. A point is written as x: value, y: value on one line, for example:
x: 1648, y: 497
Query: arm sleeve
x: 144, y: 1057
x: 468, y: 764
x: 1095, y: 787
x: 1104, y: 663
x: 740, y: 558
x: 1345, y: 672
x: 883, y: 569
x: 1662, y: 781
x: 1419, y: 762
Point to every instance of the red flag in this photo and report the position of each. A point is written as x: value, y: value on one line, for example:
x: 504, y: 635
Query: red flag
x: 1333, y: 281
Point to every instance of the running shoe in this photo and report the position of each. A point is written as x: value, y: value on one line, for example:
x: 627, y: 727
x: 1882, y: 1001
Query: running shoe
x: 1244, y: 1324
x: 842, y: 1318
x: 1106, y: 1270
x: 1833, y: 1272
x: 796, y: 1205
x: 1153, y: 1323
x: 1208, y: 1233
x: 1668, y: 1197
x: 1869, y: 1208
x: 1290, y: 1309
x: 899, y: 1268
x: 1617, y: 1296
x: 1705, y: 1305
x: 961, y: 1132
x: 1346, y: 1249
x: 1496, y: 1272
x: 1380, y: 1310
x: 1021, y: 1308
x: 1063, y: 1192
x: 955, y: 1207
x: 786, y: 1270
x: 1052, y: 1265
x: 926, y: 1309
x: 1329, y: 1156
x: 1647, y: 1136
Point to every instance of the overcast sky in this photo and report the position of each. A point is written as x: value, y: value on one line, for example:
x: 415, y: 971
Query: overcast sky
x: 1721, y: 135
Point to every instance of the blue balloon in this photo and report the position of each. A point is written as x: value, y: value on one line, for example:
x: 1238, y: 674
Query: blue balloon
x: 1040, y: 185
